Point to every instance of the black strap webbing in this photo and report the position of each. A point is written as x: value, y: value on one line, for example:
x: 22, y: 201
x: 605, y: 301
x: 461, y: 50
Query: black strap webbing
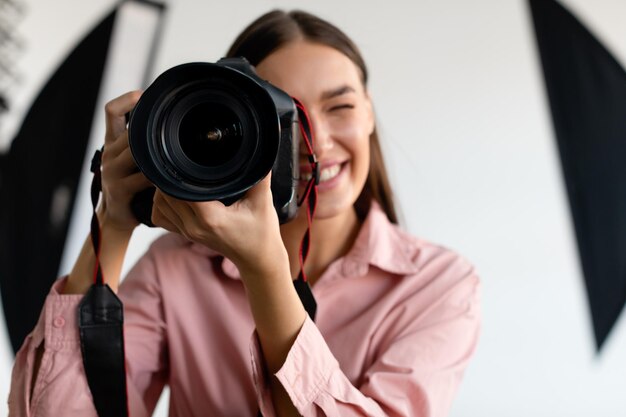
x: 100, y: 323
x: 102, y: 345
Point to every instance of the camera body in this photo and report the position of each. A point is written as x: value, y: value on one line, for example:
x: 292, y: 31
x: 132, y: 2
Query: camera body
x: 211, y: 131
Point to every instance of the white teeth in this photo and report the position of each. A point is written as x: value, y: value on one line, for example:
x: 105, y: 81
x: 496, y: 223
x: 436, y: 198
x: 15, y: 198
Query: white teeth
x: 325, y: 175
x: 329, y: 173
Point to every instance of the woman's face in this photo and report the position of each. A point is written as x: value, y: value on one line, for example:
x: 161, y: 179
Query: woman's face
x: 329, y: 85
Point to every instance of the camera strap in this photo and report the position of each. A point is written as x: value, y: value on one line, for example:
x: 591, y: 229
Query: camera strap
x: 309, y: 198
x: 100, y: 323
x: 101, y: 315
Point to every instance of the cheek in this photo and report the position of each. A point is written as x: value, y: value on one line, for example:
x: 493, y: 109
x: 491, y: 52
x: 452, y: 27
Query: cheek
x: 356, y: 142
x: 362, y: 162
x: 352, y: 130
x: 354, y: 138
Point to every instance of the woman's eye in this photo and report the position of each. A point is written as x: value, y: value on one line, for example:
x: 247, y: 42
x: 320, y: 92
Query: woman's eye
x: 342, y: 107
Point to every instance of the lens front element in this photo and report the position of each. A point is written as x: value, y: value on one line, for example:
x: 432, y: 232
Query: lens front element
x: 205, y: 132
x: 210, y: 134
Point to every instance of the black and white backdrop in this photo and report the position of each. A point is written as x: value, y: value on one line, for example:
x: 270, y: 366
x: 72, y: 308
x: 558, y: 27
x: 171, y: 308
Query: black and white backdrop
x: 503, y: 122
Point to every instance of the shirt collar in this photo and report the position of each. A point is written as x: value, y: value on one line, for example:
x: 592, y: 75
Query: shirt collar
x: 379, y: 243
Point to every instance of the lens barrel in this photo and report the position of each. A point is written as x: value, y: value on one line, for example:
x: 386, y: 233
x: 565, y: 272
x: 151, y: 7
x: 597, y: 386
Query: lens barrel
x: 205, y: 131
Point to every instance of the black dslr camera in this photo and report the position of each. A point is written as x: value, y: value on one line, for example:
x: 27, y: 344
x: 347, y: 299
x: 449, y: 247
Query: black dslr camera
x: 204, y: 131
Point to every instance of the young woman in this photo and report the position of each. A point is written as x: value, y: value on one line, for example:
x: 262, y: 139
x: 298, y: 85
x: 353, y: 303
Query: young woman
x: 211, y: 309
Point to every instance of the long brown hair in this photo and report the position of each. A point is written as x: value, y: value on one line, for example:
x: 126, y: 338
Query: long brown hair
x: 277, y: 28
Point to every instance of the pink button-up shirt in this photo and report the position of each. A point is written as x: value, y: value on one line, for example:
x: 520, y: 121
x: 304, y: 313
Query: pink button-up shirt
x: 397, y: 322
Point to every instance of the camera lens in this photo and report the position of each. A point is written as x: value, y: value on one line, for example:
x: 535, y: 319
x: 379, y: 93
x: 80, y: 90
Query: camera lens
x: 210, y: 134
x: 205, y: 132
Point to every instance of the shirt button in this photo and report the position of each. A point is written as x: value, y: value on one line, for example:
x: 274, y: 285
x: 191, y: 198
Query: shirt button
x: 58, y: 322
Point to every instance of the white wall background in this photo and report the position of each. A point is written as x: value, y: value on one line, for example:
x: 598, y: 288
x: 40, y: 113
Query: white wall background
x: 460, y: 102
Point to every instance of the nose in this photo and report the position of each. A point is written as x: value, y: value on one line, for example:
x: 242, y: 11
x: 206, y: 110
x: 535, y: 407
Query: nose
x: 322, y: 138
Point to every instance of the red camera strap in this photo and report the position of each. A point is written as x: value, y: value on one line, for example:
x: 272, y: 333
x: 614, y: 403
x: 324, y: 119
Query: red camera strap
x: 310, y: 199
x: 101, y: 330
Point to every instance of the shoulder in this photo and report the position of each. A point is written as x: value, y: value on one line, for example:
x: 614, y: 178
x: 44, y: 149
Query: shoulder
x: 434, y: 258
x: 433, y: 292
x: 443, y: 286
x: 392, y: 248
x: 431, y: 271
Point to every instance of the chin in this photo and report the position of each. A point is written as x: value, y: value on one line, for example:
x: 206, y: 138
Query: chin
x: 327, y: 209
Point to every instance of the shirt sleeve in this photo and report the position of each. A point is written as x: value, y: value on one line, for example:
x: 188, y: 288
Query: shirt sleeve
x: 61, y: 379
x: 417, y: 372
x: 61, y: 384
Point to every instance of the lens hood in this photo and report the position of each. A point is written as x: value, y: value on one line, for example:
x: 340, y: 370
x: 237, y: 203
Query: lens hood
x: 204, y: 131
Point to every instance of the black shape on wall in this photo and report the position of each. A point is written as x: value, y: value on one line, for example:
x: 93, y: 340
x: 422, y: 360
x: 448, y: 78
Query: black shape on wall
x: 39, y: 179
x: 587, y: 92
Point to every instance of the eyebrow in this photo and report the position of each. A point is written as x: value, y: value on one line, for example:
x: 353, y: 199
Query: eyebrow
x: 344, y: 89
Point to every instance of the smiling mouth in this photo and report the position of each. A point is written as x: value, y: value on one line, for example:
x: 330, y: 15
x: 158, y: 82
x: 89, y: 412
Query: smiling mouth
x: 326, y: 174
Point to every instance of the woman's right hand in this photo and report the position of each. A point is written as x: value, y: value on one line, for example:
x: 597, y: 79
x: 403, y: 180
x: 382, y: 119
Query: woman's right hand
x: 121, y: 179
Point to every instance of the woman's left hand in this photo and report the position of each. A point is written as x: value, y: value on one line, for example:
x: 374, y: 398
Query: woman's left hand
x: 247, y: 232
